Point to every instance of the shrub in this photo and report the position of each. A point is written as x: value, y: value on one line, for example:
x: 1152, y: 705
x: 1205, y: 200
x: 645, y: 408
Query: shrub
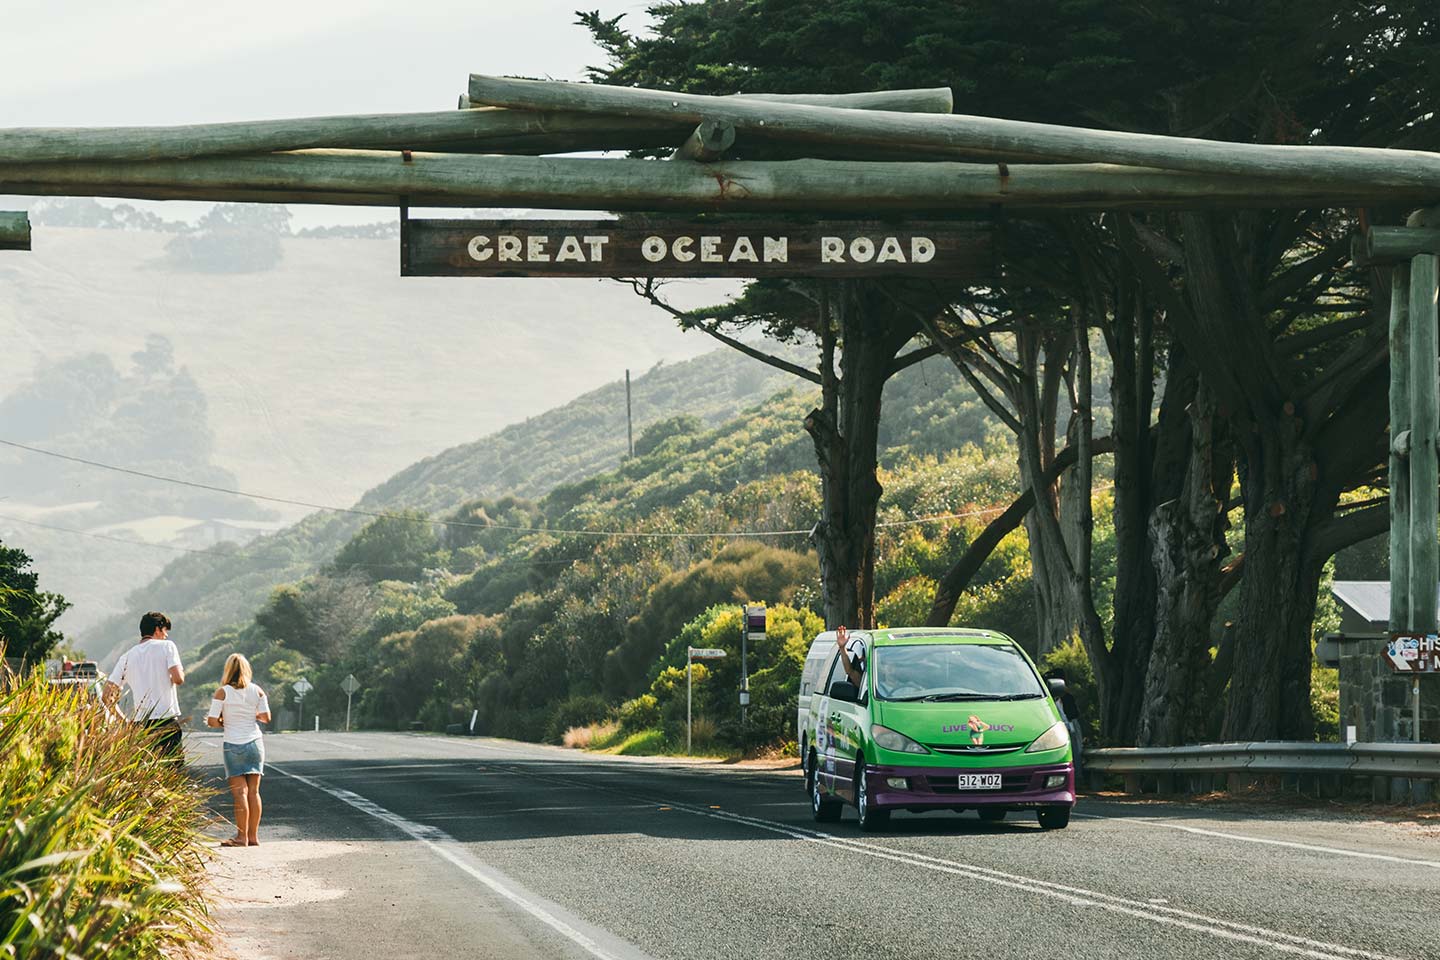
x: 639, y: 714
x: 99, y: 838
x: 1079, y: 681
x: 579, y: 711
x: 582, y: 738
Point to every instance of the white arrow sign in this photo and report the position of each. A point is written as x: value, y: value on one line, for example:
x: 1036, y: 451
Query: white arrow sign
x: 705, y: 653
x: 302, y: 686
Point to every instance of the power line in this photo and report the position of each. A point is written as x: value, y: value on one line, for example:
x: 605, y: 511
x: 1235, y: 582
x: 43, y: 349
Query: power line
x: 233, y: 553
x: 378, y: 515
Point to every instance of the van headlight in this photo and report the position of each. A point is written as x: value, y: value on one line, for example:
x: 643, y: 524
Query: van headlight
x: 893, y: 740
x: 1053, y: 739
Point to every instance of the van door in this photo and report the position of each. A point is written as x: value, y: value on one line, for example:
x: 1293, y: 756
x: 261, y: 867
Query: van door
x: 820, y: 710
x: 847, y: 725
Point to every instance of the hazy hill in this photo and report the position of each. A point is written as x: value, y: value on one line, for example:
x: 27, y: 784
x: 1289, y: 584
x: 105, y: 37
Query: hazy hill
x: 303, y: 367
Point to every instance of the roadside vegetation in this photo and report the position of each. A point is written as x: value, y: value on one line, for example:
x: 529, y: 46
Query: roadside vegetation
x: 100, y: 850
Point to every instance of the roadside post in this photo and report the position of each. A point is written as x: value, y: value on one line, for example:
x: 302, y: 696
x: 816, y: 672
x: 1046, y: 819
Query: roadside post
x: 752, y: 627
x: 691, y: 655
x: 301, y: 687
x: 350, y: 685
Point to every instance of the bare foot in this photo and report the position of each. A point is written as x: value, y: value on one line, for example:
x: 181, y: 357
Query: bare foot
x: 254, y: 842
x: 233, y: 842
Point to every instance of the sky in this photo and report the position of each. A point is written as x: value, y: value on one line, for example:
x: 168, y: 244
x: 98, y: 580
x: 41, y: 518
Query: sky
x: 99, y: 63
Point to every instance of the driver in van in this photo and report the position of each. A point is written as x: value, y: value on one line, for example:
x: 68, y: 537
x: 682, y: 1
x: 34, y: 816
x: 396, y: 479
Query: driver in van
x: 852, y: 656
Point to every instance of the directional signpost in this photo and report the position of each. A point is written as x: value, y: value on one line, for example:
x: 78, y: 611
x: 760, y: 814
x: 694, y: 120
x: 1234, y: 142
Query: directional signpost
x: 1414, y: 654
x: 301, y: 687
x: 350, y: 685
x: 691, y: 655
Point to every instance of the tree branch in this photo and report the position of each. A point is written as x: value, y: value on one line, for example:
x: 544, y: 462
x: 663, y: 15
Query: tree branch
x: 647, y: 290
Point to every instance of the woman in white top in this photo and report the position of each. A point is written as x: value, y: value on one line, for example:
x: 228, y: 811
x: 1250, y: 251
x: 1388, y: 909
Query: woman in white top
x: 240, y: 707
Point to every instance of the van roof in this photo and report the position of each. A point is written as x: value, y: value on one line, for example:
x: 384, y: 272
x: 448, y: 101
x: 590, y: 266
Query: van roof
x: 909, y: 635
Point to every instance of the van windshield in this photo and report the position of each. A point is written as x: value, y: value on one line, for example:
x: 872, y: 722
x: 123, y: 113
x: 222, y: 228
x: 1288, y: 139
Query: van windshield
x: 954, y: 671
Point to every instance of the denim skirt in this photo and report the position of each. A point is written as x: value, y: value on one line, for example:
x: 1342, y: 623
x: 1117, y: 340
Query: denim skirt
x: 242, y: 759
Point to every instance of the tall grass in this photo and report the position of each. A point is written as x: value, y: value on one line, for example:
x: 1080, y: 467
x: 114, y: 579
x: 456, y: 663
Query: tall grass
x: 100, y: 851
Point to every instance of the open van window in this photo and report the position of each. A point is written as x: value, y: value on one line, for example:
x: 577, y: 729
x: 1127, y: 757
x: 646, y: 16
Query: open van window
x: 954, y: 672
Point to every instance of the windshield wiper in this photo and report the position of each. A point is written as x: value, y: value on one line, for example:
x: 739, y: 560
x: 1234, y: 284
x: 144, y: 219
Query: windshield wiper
x: 1021, y: 696
x: 935, y: 697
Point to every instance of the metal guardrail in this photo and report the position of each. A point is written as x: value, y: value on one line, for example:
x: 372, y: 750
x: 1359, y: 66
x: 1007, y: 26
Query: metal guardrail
x: 1419, y: 761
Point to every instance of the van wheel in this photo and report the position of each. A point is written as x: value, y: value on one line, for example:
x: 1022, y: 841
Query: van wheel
x: 871, y: 818
x: 823, y: 808
x: 1053, y: 818
x: 992, y: 814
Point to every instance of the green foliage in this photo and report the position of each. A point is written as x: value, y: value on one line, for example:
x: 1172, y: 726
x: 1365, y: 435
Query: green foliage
x: 682, y: 425
x: 907, y: 605
x: 390, y: 548
x: 27, y: 614
x: 739, y: 572
x: 641, y: 713
x: 100, y: 845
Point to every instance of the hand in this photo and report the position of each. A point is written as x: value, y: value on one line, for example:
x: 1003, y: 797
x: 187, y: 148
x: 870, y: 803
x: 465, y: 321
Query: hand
x: 842, y: 636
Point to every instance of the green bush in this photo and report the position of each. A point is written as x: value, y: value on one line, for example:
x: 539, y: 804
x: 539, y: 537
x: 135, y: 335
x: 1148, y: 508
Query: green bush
x: 642, y: 713
x: 100, y: 851
x: 1079, y: 681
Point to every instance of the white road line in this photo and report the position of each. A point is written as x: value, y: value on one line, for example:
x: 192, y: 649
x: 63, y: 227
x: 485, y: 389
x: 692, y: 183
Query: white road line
x: 1200, y: 831
x: 1075, y: 896
x: 451, y: 850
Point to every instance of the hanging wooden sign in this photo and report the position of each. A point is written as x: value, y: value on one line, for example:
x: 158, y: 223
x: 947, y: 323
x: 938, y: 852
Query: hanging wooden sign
x: 687, y: 248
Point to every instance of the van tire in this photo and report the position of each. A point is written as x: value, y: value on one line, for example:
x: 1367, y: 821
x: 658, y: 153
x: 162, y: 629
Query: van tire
x: 824, y: 809
x: 1053, y: 818
x: 872, y: 819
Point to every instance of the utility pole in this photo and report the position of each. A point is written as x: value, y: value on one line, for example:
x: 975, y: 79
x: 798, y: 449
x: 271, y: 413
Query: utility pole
x: 629, y: 420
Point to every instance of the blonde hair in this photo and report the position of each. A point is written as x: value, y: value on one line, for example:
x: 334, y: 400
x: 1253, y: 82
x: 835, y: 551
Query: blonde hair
x: 237, y: 672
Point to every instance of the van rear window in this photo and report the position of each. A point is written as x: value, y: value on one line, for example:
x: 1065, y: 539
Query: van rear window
x: 958, y: 671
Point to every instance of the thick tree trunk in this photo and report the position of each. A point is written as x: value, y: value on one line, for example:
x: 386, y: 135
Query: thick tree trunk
x: 1270, y: 685
x: 1188, y: 539
x: 845, y: 430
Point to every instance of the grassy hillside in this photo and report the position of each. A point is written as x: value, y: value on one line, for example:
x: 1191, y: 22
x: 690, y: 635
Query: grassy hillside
x: 205, y: 592
x: 572, y: 609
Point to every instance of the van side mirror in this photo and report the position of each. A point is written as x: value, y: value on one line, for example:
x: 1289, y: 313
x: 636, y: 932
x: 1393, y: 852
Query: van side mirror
x: 1057, y: 687
x: 844, y: 690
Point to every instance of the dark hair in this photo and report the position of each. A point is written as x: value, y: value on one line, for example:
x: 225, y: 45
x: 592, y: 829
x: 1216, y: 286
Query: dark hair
x: 153, y: 621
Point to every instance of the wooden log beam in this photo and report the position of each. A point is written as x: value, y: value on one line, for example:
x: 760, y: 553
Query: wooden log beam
x: 482, y: 130
x: 1392, y: 244
x: 470, y: 130
x: 14, y: 230
x: 923, y: 100
x: 707, y: 143
x: 1007, y: 140
x: 820, y: 187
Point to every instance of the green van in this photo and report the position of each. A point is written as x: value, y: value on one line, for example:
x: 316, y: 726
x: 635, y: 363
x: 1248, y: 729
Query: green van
x: 942, y: 719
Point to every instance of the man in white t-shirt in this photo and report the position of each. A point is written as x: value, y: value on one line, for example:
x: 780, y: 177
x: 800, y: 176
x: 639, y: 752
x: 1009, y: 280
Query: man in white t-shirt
x: 152, y: 671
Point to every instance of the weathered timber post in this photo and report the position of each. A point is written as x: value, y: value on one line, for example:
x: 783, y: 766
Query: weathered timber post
x: 1371, y: 695
x: 1424, y: 497
x: 14, y: 230
x: 1399, y: 447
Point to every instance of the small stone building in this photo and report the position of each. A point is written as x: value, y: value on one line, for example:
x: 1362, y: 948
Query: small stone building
x: 1374, y: 699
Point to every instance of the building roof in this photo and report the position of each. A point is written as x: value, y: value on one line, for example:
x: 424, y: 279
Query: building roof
x: 1369, y: 598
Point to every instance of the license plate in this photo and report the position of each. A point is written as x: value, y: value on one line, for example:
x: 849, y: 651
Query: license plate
x: 979, y: 781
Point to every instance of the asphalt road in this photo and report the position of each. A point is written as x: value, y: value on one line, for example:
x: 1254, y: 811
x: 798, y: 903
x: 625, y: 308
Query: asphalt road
x: 404, y: 846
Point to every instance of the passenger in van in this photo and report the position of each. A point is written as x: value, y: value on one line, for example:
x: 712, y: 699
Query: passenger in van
x: 852, y: 656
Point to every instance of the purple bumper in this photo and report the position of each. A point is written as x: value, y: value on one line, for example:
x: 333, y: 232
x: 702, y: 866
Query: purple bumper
x: 938, y: 787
